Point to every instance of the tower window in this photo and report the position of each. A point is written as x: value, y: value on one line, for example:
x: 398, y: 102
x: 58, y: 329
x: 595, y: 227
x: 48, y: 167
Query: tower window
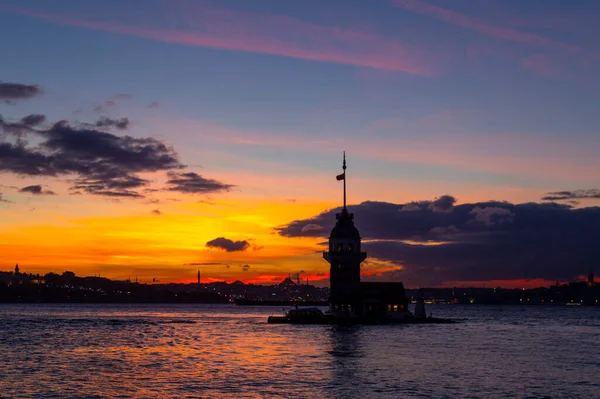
x: 350, y: 248
x: 340, y: 247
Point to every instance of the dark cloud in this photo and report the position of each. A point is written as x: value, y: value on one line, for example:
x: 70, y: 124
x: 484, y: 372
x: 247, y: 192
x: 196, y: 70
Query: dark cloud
x: 17, y: 91
x: 95, y: 162
x: 377, y: 220
x: 16, y: 158
x: 121, y: 124
x: 33, y: 119
x: 472, y: 242
x: 2, y: 199
x: 36, y: 190
x: 157, y: 212
x: 110, y: 186
x: 443, y: 203
x: 228, y: 245
x: 102, y: 163
x: 193, y: 183
x: 17, y: 129
x: 245, y: 268
x: 153, y: 104
x: 572, y: 195
x: 491, y: 215
x: 441, y: 230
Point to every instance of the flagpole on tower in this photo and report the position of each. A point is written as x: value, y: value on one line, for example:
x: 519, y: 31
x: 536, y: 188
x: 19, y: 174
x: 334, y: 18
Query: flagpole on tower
x: 344, y: 167
x: 343, y: 177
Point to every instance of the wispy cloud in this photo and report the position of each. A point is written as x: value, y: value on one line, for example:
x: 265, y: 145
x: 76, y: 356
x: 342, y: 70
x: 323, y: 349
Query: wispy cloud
x: 104, y: 122
x: 479, y: 25
x: 569, y: 195
x: 444, y: 145
x: 16, y: 91
x: 266, y: 34
x: 33, y: 119
x: 193, y: 183
x: 543, y: 65
x: 36, y: 190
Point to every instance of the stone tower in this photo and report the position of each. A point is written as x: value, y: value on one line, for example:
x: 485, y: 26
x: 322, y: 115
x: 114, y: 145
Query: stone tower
x: 345, y: 257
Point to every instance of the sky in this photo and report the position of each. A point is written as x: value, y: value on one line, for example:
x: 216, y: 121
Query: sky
x: 158, y: 138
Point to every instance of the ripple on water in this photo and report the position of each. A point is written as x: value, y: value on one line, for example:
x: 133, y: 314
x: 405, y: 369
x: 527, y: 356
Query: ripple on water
x: 167, y: 351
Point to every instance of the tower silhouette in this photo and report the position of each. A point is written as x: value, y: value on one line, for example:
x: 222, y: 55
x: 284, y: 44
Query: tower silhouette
x: 345, y: 257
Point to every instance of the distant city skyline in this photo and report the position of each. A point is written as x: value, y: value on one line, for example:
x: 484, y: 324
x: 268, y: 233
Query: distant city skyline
x: 157, y: 140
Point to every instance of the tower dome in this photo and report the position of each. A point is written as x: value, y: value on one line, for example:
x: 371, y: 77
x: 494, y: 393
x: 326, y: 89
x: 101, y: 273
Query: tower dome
x: 344, y: 227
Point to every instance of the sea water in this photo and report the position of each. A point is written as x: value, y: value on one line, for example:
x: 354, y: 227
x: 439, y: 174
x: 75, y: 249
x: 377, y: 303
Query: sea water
x: 227, y: 351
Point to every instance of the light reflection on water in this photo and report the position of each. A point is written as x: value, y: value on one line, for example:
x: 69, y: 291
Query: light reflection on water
x: 178, y: 351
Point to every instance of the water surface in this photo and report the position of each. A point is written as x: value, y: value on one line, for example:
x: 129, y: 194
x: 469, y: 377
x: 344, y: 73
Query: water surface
x: 208, y: 351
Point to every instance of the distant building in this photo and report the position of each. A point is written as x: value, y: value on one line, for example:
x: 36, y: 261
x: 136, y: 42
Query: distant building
x: 17, y: 272
x: 287, y: 284
x: 350, y: 298
x: 591, y: 281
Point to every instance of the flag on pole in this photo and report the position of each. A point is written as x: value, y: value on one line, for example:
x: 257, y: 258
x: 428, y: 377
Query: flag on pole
x: 341, y: 177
